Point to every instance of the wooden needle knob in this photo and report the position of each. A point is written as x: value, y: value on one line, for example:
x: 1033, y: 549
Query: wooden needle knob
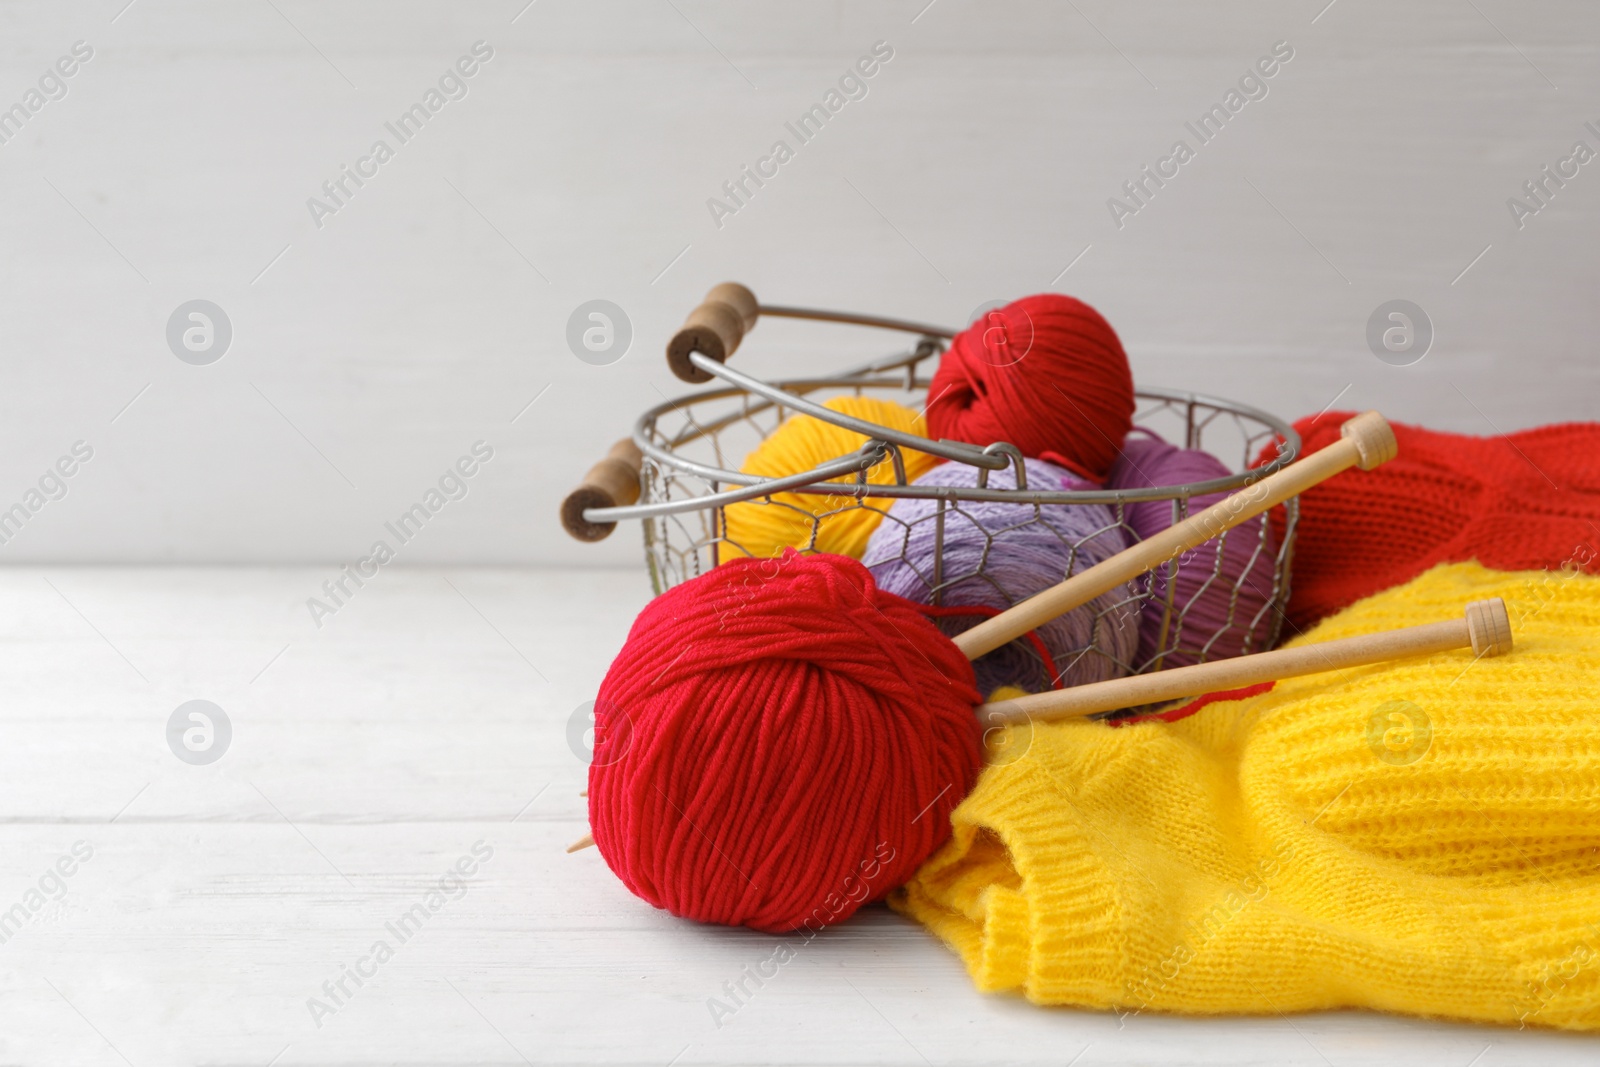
x: 1489, y: 626
x: 612, y: 482
x: 1373, y: 437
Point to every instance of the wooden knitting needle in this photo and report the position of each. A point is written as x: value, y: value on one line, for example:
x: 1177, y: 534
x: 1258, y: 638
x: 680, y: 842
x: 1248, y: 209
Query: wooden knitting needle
x: 586, y: 840
x: 1485, y: 628
x: 1365, y: 441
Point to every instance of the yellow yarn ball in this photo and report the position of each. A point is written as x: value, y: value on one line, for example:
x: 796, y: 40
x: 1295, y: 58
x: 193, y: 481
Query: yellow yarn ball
x: 766, y: 526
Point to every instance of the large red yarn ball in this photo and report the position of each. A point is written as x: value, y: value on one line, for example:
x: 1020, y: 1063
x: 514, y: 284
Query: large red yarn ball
x: 1046, y: 373
x: 779, y: 742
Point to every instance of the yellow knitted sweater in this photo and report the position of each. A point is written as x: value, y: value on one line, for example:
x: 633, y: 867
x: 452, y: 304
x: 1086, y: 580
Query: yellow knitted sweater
x: 1418, y: 837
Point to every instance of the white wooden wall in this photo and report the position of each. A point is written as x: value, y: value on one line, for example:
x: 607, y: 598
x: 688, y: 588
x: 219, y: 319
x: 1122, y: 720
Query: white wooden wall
x: 369, y: 353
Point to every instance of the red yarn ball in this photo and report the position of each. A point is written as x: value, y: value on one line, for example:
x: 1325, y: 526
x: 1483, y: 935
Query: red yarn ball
x: 779, y: 742
x: 1046, y: 373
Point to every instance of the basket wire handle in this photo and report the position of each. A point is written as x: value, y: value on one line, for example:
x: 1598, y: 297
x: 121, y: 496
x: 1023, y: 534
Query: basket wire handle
x: 960, y: 451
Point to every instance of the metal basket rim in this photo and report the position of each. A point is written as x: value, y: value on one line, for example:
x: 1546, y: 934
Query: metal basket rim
x: 819, y: 480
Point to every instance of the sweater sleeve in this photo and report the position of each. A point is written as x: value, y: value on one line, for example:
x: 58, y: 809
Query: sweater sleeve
x: 1416, y: 837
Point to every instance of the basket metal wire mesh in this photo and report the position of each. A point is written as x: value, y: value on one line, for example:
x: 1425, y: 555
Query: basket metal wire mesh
x: 693, y: 447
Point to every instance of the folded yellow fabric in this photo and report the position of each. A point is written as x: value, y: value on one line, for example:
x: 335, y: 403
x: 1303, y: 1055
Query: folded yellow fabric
x: 1419, y: 837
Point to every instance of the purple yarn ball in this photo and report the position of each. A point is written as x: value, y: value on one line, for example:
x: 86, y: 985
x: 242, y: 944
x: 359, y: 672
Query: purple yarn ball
x: 1222, y: 594
x: 998, y: 554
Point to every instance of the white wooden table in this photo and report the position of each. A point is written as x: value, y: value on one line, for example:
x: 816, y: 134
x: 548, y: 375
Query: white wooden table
x: 367, y: 758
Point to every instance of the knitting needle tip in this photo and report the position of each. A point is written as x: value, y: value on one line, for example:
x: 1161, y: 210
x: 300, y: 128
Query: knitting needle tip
x: 580, y: 844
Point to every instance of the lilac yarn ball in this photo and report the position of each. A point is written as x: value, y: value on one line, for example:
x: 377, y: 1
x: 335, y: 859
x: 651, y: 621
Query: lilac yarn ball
x: 1222, y: 593
x: 998, y: 554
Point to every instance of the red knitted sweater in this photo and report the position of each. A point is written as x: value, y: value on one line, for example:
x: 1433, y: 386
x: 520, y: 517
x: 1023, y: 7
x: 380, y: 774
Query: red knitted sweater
x: 1524, y: 501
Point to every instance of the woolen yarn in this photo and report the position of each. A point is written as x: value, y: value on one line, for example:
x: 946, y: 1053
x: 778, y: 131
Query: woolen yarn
x: 1222, y: 592
x: 779, y: 742
x: 1528, y: 500
x: 842, y: 523
x: 998, y: 554
x: 1046, y: 373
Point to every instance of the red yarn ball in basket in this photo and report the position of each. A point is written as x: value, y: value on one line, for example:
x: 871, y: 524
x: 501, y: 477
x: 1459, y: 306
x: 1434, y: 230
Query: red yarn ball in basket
x: 779, y: 742
x: 1046, y: 373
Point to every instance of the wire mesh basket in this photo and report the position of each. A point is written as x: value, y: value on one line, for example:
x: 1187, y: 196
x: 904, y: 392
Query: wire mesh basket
x: 684, y: 456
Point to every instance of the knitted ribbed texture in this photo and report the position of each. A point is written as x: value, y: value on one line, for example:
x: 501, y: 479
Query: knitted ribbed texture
x: 1525, y: 501
x: 1416, y: 837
